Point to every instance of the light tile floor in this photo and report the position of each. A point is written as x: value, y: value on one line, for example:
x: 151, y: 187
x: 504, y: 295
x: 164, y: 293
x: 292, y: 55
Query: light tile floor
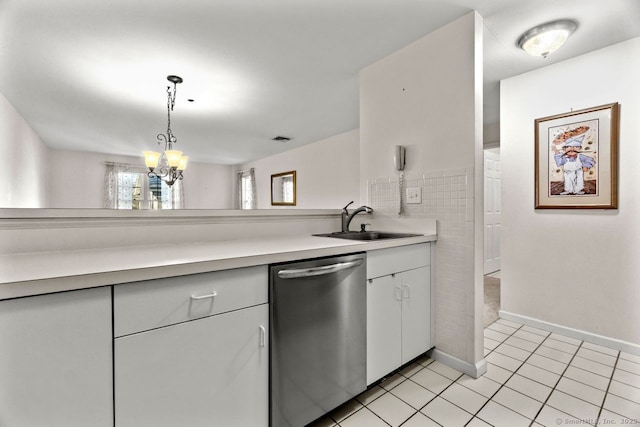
x: 533, y: 378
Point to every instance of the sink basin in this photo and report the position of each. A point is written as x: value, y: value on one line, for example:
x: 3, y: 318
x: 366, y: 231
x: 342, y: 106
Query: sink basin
x: 367, y: 235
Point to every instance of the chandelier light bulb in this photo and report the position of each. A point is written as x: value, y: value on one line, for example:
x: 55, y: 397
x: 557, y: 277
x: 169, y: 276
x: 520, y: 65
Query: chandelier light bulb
x: 183, y: 163
x: 151, y: 158
x: 173, y: 157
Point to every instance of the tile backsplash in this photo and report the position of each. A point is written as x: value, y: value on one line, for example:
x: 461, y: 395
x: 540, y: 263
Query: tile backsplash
x: 445, y: 195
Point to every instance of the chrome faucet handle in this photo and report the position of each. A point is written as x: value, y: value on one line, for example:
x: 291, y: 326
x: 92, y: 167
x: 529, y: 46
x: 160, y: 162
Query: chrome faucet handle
x: 363, y: 227
x: 348, y: 204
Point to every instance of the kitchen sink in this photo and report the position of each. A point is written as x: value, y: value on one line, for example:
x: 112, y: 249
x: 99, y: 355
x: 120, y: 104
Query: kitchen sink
x: 367, y: 235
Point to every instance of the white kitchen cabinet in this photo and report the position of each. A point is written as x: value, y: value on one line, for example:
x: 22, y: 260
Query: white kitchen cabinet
x: 398, y: 308
x: 56, y: 360
x: 208, y: 371
x: 384, y: 327
x: 416, y: 312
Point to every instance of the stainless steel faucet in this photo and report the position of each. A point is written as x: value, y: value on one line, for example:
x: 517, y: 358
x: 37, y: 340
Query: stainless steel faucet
x: 347, y: 217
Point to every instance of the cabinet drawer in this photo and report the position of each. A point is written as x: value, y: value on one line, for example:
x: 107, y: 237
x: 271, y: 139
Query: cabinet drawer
x: 394, y: 260
x: 155, y: 303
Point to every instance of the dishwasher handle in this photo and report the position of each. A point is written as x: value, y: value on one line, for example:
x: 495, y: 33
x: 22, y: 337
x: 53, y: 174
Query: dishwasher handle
x: 319, y: 271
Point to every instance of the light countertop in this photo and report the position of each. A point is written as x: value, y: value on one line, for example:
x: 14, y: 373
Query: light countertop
x: 45, y: 272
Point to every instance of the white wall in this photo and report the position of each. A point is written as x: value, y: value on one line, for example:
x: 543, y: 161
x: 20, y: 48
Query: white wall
x: 428, y: 98
x: 77, y: 181
x: 491, y: 135
x: 575, y: 268
x: 208, y: 186
x: 327, y: 172
x: 23, y: 176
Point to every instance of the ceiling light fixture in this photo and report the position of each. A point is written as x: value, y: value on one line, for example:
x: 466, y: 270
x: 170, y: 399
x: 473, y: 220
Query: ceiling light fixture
x: 546, y: 38
x: 171, y: 163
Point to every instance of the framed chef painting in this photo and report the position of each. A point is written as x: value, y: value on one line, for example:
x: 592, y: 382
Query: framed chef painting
x: 576, y: 159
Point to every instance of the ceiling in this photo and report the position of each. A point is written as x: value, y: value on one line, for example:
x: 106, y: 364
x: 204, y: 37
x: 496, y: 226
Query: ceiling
x: 91, y: 75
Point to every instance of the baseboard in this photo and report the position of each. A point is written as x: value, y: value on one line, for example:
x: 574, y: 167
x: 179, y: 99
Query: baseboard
x: 474, y: 371
x: 612, y: 343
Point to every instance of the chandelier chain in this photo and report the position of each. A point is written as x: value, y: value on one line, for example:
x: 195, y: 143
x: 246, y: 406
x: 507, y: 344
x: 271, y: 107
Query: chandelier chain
x: 171, y: 101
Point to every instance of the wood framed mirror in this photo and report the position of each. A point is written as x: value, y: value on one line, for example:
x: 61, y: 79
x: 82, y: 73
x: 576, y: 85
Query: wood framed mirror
x: 283, y: 189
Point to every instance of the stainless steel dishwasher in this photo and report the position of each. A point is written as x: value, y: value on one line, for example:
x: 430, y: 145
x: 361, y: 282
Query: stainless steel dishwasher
x: 318, y: 337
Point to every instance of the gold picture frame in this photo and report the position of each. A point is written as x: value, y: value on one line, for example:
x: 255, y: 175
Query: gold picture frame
x: 283, y: 189
x: 576, y: 159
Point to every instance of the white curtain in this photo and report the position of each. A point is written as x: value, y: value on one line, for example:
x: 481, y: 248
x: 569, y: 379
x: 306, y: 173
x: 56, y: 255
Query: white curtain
x: 113, y: 185
x: 246, y: 191
x: 253, y: 202
x: 177, y: 195
x: 239, y: 190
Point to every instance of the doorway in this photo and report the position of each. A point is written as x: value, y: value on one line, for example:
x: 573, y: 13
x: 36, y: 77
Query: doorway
x: 492, y: 211
x: 492, y: 221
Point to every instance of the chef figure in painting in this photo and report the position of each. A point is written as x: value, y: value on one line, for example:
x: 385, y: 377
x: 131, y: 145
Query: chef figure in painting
x: 574, y: 165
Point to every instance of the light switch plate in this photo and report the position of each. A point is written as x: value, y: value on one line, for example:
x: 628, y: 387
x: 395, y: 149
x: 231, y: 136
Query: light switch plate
x: 414, y: 195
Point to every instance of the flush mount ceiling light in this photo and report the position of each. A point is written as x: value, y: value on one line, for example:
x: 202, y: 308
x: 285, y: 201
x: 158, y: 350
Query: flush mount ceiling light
x: 169, y: 165
x: 546, y: 38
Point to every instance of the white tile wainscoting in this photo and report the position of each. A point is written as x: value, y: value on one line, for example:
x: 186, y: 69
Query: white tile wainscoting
x: 534, y: 378
x: 448, y: 197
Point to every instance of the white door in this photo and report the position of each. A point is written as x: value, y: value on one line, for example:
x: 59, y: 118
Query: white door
x: 492, y: 212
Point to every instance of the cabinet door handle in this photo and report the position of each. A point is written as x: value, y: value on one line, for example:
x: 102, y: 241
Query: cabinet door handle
x: 211, y: 295
x: 263, y: 335
x: 407, y: 291
x: 398, y: 293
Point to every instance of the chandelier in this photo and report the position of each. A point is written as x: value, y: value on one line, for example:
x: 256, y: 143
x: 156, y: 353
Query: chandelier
x: 170, y: 164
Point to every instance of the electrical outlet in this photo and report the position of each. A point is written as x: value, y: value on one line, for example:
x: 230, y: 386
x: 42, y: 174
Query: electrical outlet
x: 414, y: 195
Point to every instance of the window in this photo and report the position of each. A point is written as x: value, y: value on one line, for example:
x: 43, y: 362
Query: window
x: 129, y: 187
x: 129, y: 194
x: 247, y: 186
x: 161, y: 196
x: 246, y: 189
